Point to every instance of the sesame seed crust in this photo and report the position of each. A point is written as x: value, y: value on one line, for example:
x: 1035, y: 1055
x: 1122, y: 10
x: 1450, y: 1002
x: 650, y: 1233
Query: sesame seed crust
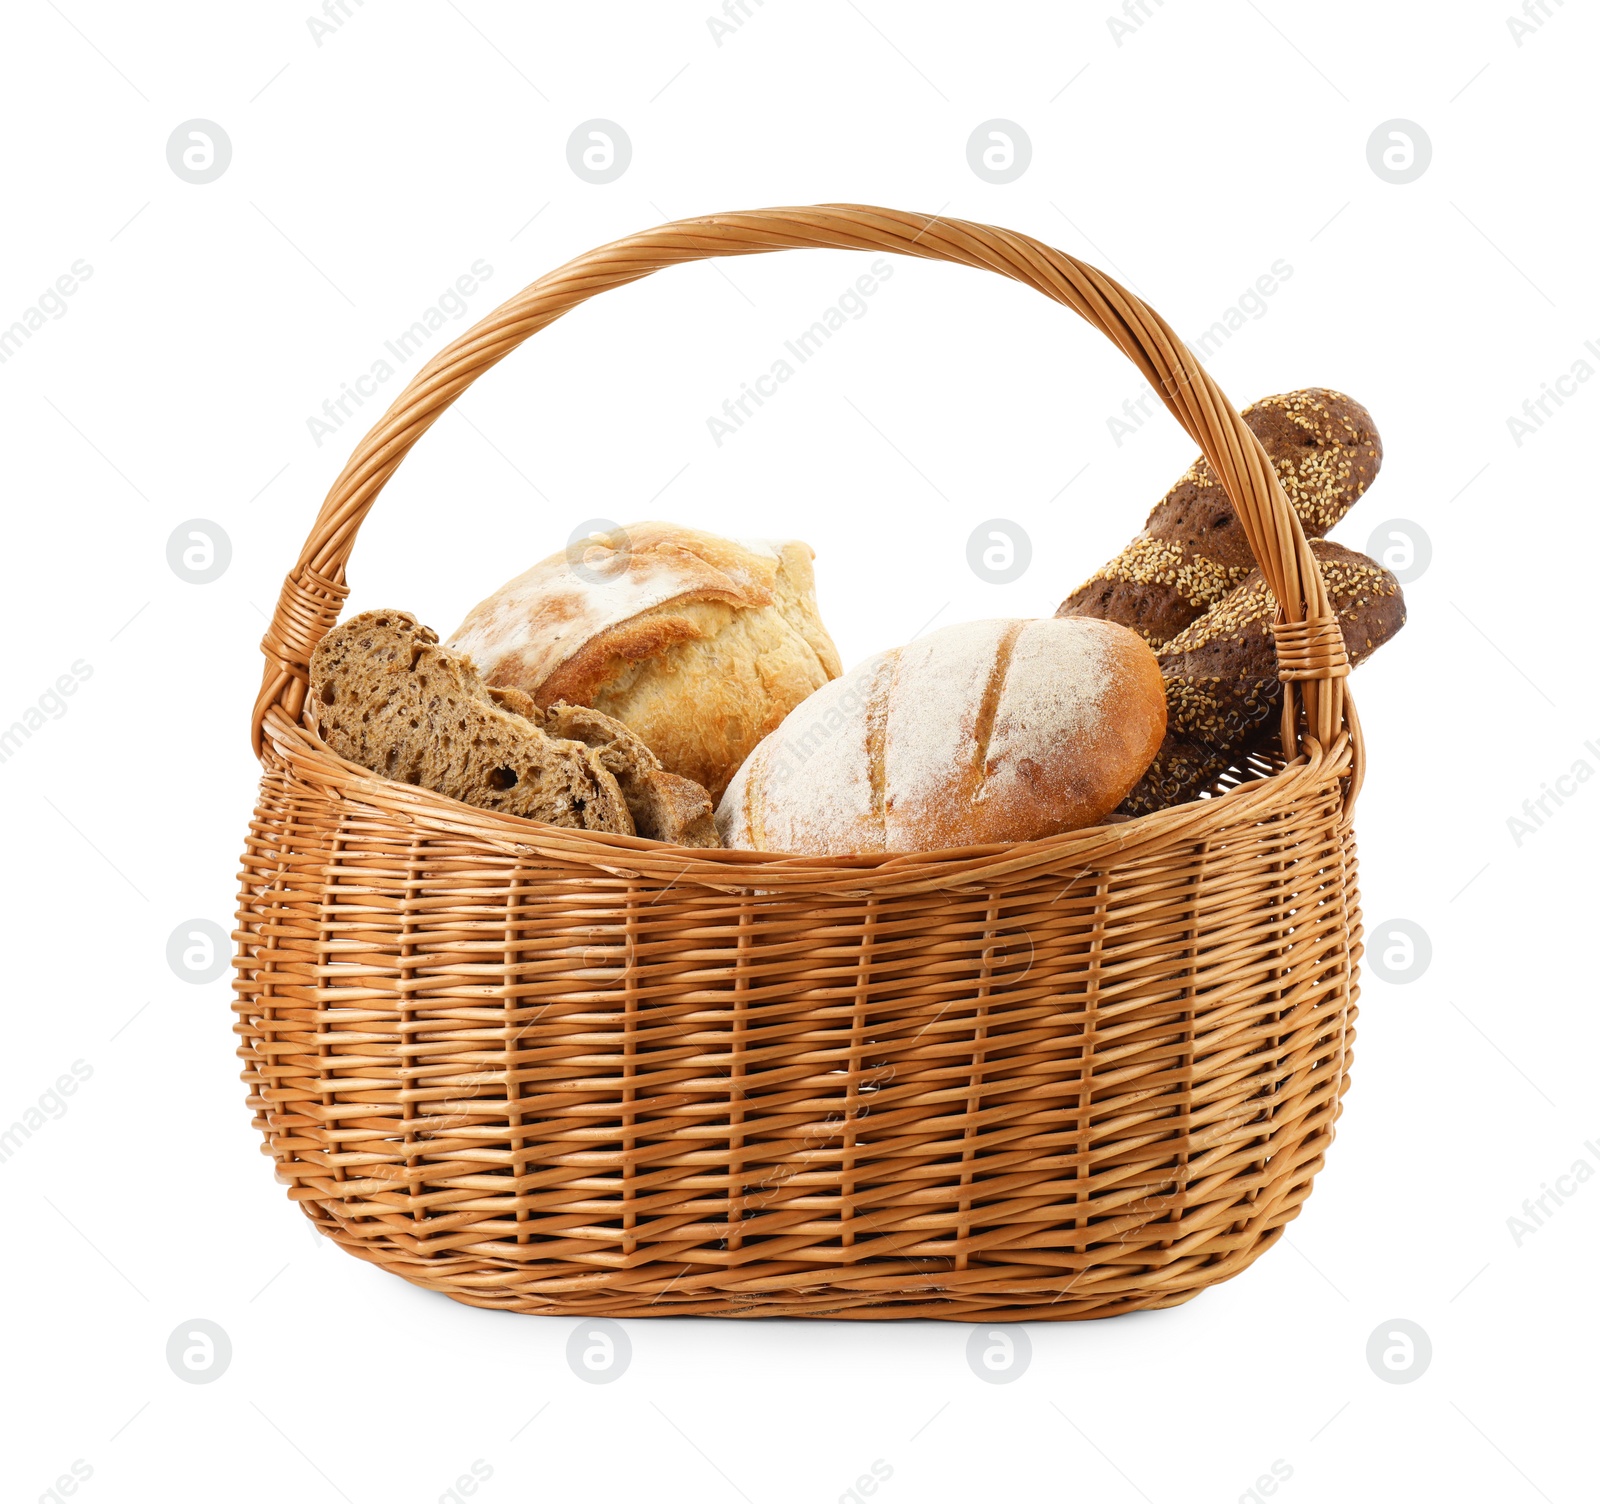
x: 1221, y: 674
x: 1325, y: 450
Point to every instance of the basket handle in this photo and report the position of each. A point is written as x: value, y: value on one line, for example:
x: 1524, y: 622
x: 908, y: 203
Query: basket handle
x: 1313, y: 663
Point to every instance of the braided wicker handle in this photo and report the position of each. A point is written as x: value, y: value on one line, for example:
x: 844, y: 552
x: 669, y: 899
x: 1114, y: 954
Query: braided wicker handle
x: 1310, y: 646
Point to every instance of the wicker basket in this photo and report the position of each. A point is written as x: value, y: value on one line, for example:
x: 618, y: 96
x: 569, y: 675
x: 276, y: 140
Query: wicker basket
x: 562, y: 1072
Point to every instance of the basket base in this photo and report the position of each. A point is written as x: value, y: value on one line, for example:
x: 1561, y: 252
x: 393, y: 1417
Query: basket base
x: 987, y: 1297
x: 964, y: 1311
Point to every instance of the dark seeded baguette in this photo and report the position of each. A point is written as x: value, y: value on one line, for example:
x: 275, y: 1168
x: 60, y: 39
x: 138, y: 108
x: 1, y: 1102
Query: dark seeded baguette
x: 385, y: 695
x: 1192, y: 551
x: 1221, y: 673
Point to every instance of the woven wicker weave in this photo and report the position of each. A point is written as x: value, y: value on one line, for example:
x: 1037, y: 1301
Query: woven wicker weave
x: 555, y: 1071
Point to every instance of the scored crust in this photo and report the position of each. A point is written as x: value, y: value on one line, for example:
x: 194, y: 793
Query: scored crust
x: 985, y: 732
x: 701, y: 645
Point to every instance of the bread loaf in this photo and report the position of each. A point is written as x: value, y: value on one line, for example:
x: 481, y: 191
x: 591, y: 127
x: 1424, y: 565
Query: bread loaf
x: 1192, y: 552
x: 985, y: 732
x: 699, y: 644
x: 1221, y: 674
x: 384, y: 694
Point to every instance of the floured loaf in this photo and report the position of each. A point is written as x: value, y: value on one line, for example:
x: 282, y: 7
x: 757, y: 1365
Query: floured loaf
x: 699, y: 644
x: 984, y: 732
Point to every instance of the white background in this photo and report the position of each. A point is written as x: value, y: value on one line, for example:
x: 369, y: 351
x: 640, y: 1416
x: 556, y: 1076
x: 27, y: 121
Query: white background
x: 368, y: 173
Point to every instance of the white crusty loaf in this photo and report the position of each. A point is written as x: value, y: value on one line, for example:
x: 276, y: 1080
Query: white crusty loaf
x: 984, y: 732
x: 701, y: 645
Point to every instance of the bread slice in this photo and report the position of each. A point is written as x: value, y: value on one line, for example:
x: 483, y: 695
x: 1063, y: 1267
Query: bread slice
x: 664, y: 806
x: 384, y: 694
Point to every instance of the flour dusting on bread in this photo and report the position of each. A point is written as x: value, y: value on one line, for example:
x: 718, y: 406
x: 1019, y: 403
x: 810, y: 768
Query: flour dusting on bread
x: 923, y: 752
x: 612, y: 588
x: 984, y: 732
x: 699, y: 644
x: 821, y: 759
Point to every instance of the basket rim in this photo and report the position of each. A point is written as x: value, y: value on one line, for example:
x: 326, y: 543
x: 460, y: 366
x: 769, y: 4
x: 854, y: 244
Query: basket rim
x: 293, y: 748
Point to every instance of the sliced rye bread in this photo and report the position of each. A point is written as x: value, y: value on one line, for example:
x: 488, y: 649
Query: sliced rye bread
x: 664, y: 806
x: 385, y: 695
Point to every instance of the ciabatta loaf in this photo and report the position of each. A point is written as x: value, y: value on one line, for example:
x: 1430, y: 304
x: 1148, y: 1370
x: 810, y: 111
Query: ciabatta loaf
x: 989, y: 731
x: 699, y: 644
